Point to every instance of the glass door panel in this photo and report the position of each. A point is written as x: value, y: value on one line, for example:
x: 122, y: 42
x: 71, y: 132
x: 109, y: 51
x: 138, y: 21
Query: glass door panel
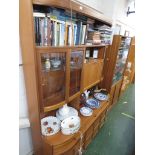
x: 76, y: 62
x: 53, y: 76
x: 121, y: 59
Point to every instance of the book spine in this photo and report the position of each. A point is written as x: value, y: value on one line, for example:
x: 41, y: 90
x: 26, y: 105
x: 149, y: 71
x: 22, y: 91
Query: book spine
x: 49, y: 32
x: 58, y: 34
x: 41, y: 31
x: 75, y: 33
x: 46, y: 31
x: 80, y: 37
x: 55, y: 33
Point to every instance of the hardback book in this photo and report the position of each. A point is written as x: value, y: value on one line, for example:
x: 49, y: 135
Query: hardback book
x: 58, y: 34
x: 41, y: 31
x: 78, y: 34
x: 83, y: 34
x: 45, y: 31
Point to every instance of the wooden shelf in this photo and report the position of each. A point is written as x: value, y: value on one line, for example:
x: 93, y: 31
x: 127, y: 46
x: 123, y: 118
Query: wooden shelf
x: 86, y: 122
x: 67, y: 47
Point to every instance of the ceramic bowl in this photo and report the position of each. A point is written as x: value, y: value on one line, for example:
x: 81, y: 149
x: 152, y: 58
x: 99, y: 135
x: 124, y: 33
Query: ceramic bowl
x: 56, y: 63
x: 70, y: 125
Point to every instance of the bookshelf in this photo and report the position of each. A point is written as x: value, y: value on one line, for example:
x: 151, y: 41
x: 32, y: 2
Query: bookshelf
x: 57, y: 73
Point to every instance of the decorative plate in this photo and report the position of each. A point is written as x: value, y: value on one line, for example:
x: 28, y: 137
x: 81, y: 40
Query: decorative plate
x: 50, y: 125
x: 86, y: 111
x: 100, y: 96
x: 93, y: 103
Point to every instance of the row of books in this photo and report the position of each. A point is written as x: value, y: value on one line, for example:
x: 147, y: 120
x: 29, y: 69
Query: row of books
x: 51, y: 31
x: 56, y: 27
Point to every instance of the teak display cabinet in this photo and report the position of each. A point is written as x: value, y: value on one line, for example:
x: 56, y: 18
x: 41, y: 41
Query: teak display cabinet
x: 59, y: 85
x: 50, y: 87
x: 115, y: 64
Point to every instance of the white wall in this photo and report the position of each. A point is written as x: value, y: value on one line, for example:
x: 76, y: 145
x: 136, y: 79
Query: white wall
x: 116, y: 10
x: 25, y: 140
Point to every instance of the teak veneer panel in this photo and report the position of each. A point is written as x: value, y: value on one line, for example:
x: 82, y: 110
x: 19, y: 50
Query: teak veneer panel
x: 27, y: 42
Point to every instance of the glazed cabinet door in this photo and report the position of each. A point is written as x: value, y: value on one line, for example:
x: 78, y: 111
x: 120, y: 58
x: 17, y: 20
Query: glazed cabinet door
x: 76, y: 64
x: 52, y: 78
x: 121, y: 59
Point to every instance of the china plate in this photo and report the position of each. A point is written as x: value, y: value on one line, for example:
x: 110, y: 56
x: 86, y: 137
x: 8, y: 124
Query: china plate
x: 50, y: 125
x: 100, y: 96
x: 86, y: 111
x: 92, y: 103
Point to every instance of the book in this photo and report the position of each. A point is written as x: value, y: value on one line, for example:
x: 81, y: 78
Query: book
x: 74, y: 33
x: 58, y: 34
x: 79, y: 29
x: 41, y: 31
x: 45, y: 31
x: 83, y: 34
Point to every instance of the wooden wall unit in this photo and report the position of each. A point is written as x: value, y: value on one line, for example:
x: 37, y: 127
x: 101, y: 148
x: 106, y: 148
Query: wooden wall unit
x: 47, y: 90
x: 129, y: 72
x: 115, y: 63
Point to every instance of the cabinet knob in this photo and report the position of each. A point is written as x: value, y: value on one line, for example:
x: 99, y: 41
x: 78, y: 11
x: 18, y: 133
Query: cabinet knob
x: 107, y: 59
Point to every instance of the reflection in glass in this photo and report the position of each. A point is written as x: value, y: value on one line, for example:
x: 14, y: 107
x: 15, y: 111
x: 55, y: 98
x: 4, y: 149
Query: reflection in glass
x: 75, y: 71
x: 121, y: 59
x: 53, y: 78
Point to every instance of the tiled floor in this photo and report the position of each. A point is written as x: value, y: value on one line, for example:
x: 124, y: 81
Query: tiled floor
x: 117, y: 136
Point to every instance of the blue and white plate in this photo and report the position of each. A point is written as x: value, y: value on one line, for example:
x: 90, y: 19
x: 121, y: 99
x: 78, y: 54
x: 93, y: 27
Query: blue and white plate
x: 86, y: 111
x: 92, y: 103
x: 100, y: 96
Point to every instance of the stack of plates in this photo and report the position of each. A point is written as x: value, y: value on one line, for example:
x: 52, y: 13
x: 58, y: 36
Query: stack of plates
x: 92, y: 103
x: 50, y: 125
x: 86, y: 111
x: 71, y: 112
x: 70, y: 125
x: 100, y: 96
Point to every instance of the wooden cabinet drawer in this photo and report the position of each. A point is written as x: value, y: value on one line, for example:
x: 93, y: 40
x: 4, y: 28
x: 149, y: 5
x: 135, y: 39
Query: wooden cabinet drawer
x: 73, y: 150
x: 65, y: 147
x: 89, y: 133
x: 87, y: 142
x: 95, y: 131
x: 96, y: 123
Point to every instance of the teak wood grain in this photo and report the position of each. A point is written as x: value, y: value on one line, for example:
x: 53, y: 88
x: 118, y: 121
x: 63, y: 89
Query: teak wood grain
x: 30, y: 72
x: 59, y: 143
